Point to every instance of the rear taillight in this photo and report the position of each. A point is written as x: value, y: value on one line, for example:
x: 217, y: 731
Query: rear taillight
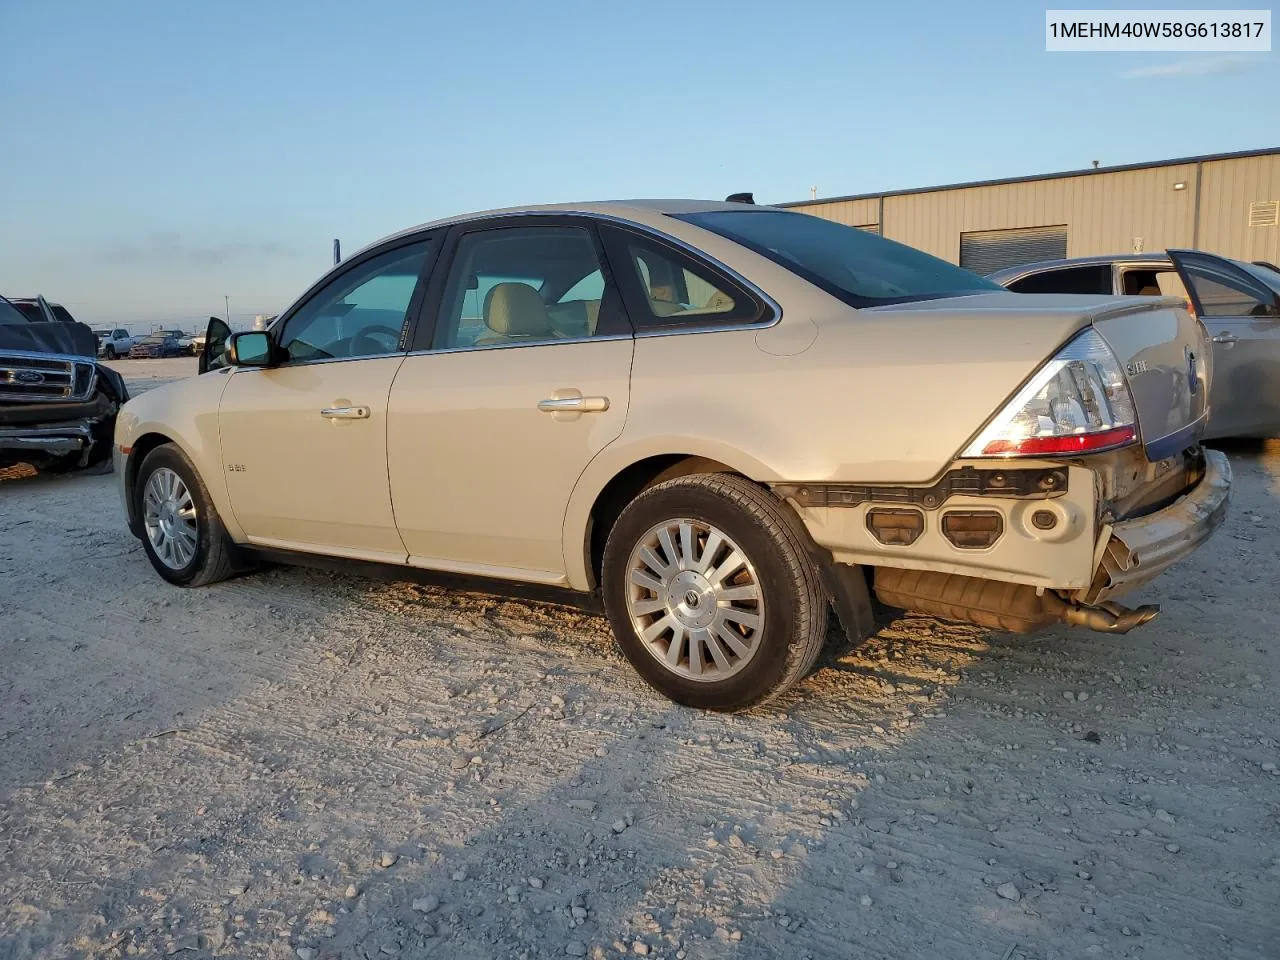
x: 1076, y: 403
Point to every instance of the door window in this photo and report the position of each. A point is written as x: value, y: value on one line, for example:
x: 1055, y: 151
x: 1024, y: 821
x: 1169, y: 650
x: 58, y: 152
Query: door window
x: 677, y: 290
x: 512, y: 285
x: 1224, y: 293
x: 1094, y: 278
x: 360, y: 313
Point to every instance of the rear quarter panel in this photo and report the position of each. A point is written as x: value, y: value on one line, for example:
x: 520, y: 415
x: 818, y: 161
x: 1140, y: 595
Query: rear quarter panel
x: 830, y: 394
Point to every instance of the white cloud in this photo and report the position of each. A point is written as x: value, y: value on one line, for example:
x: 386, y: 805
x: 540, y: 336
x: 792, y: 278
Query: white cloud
x: 1191, y: 67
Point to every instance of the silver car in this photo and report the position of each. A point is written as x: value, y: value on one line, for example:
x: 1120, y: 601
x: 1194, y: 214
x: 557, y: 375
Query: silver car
x: 1239, y: 303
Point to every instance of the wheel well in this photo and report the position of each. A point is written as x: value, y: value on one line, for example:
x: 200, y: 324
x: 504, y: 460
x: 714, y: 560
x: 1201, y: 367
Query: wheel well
x: 625, y: 487
x: 141, y: 447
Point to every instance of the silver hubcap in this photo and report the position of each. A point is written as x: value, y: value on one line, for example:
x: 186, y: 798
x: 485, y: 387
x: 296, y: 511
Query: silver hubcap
x: 694, y: 600
x: 169, y: 516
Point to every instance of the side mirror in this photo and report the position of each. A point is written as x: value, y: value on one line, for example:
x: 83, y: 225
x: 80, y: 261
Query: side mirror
x: 251, y: 348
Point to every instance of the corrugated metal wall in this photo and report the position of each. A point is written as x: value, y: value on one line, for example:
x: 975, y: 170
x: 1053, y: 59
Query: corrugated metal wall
x: 852, y: 213
x: 1104, y: 212
x: 1227, y: 187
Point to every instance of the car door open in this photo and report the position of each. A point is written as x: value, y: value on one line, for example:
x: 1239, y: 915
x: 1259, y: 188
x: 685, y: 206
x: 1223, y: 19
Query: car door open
x: 526, y: 377
x: 1242, y: 313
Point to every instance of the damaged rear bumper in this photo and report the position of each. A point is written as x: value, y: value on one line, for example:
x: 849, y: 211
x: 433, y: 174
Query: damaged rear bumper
x: 1130, y: 553
x: 1133, y: 552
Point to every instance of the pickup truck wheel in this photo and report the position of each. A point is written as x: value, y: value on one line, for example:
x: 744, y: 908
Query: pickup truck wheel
x: 181, y: 532
x: 109, y: 353
x: 710, y: 593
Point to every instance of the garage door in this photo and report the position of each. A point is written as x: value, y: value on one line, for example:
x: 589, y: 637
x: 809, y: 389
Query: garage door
x: 993, y: 250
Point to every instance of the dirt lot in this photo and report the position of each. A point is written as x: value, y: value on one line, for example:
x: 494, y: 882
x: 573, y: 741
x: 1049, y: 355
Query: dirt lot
x: 296, y: 764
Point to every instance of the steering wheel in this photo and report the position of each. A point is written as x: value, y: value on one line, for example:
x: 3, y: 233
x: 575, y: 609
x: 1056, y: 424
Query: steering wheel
x: 374, y: 335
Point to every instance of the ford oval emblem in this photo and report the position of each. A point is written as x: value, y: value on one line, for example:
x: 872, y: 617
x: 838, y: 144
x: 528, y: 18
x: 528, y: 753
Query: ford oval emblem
x: 30, y: 376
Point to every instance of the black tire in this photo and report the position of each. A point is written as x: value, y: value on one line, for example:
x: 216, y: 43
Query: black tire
x: 214, y: 557
x: 795, y: 608
x: 110, y: 353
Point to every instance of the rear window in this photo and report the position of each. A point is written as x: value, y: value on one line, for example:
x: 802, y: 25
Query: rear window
x: 858, y: 267
x: 30, y: 310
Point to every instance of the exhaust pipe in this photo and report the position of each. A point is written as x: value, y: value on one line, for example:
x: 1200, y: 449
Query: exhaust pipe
x: 1000, y: 605
x: 1110, y: 617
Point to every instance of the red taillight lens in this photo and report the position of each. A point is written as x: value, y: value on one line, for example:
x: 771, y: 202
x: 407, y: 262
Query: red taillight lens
x: 1073, y: 444
x: 1077, y: 402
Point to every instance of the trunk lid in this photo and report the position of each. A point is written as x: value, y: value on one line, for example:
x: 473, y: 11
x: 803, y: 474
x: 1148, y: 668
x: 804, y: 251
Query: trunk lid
x: 1166, y: 356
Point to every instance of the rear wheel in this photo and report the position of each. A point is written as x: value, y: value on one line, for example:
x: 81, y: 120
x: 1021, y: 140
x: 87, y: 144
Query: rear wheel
x: 181, y: 532
x: 711, y: 594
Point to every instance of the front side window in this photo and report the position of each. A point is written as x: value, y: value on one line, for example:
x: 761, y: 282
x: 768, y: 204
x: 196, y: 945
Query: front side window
x: 859, y: 268
x: 512, y: 285
x: 361, y: 312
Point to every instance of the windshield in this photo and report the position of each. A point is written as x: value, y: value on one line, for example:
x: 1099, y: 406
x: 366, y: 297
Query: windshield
x: 858, y: 267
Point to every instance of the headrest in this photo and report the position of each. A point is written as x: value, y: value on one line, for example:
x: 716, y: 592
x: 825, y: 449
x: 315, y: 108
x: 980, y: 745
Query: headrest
x: 516, y: 310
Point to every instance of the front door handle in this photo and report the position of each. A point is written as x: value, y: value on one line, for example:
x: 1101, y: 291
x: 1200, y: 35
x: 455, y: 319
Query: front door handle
x: 1225, y: 338
x: 345, y: 413
x: 574, y: 405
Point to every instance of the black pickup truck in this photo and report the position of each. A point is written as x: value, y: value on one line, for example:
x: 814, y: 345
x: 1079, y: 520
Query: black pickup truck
x: 58, y: 405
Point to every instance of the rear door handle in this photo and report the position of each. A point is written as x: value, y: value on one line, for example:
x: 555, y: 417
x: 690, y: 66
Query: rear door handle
x: 574, y: 405
x: 1225, y: 338
x: 345, y: 413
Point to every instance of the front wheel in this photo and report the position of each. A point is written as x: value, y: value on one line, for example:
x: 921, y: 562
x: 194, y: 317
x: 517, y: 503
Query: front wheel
x: 110, y: 353
x: 181, y: 532
x: 711, y: 594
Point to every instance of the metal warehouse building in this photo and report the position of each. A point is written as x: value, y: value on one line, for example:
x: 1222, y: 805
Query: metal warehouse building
x: 1227, y: 203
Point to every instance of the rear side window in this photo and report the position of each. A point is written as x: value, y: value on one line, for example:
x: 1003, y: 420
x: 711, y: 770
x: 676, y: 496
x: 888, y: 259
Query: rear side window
x: 1091, y: 279
x: 858, y: 267
x: 513, y: 285
x: 667, y: 287
x: 62, y: 313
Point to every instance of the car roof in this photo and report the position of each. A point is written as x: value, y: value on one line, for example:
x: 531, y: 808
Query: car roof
x: 1023, y: 269
x: 647, y: 212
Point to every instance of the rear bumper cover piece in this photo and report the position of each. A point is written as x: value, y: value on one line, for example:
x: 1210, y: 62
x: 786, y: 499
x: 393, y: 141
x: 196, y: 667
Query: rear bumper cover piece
x: 1134, y: 552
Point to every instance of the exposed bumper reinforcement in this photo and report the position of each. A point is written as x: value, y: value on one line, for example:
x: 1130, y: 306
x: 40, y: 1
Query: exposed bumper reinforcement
x: 1136, y: 551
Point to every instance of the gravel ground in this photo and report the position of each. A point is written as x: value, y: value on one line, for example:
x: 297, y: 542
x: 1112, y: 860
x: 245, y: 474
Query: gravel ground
x: 298, y: 764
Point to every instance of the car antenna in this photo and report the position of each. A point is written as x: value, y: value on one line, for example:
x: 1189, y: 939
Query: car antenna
x: 740, y: 198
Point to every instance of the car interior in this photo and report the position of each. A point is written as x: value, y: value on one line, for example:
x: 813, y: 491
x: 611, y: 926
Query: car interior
x: 1152, y: 282
x: 523, y: 284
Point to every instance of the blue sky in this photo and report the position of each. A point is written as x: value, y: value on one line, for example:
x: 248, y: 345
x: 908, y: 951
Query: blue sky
x: 155, y: 156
